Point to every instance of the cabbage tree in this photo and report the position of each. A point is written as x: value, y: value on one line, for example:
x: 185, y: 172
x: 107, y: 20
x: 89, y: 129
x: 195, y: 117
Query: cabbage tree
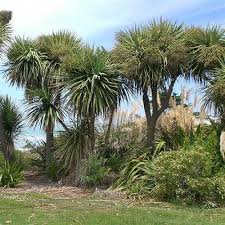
x: 11, y: 124
x: 34, y: 65
x: 153, y: 57
x: 93, y: 86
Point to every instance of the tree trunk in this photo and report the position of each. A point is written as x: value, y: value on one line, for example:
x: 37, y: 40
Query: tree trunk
x: 49, y: 144
x: 222, y: 121
x: 64, y: 125
x: 92, y: 131
x: 152, y: 114
x: 7, y: 148
x: 10, y: 152
x: 147, y: 108
x: 152, y: 129
x: 3, y: 138
x: 107, y: 136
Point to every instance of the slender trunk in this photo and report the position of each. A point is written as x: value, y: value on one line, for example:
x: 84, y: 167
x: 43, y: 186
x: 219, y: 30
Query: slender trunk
x: 222, y: 121
x: 147, y: 109
x: 152, y: 129
x: 10, y: 152
x: 151, y: 119
x: 92, y: 131
x: 153, y: 111
x: 49, y: 144
x: 107, y: 136
x: 7, y: 148
x: 58, y: 104
x: 3, y: 138
x: 63, y: 125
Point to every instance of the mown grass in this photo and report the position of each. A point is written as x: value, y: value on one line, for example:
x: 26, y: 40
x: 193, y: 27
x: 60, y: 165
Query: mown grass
x: 40, y: 210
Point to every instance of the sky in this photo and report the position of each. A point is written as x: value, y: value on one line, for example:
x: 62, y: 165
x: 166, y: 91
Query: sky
x: 97, y: 21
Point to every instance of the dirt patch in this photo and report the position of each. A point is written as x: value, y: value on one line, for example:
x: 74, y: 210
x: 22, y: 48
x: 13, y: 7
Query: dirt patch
x: 35, y: 183
x: 55, y: 192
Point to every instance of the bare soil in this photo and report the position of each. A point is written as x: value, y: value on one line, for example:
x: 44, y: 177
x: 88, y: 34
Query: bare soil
x: 35, y: 183
x: 39, y: 184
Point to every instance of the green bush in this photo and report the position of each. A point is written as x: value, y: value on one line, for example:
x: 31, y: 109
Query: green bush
x: 173, y: 170
x: 114, y: 162
x: 37, y: 161
x: 137, y: 176
x: 114, y: 156
x: 11, y: 174
x: 186, y: 176
x: 219, y: 193
x: 127, y: 139
x: 93, y: 171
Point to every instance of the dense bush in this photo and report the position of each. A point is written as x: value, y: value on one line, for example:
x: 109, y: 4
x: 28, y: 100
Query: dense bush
x: 187, y: 176
x: 37, y: 161
x: 127, y: 139
x: 174, y: 170
x: 208, y: 137
x: 192, y: 171
x: 137, y: 176
x: 114, y: 158
x: 11, y: 174
x: 93, y: 171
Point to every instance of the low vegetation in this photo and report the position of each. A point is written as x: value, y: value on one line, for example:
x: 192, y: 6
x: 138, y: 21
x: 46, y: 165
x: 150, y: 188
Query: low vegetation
x: 39, y: 209
x: 76, y: 94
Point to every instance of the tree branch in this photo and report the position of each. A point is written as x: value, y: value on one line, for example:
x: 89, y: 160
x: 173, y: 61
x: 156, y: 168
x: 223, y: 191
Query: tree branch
x: 165, y: 104
x: 155, y: 105
x: 63, y: 124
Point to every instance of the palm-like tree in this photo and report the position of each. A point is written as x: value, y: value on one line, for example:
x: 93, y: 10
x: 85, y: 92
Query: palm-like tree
x: 206, y: 50
x: 5, y: 31
x: 11, y: 124
x: 153, y: 57
x: 72, y: 147
x: 206, y: 56
x: 214, y: 95
x: 43, y: 110
x: 94, y: 86
x: 35, y: 65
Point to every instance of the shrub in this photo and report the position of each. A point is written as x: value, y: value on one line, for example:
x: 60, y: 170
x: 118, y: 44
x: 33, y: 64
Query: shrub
x: 37, y: 161
x: 11, y: 174
x: 137, y: 176
x: 219, y: 193
x: 93, y: 171
x: 114, y: 162
x: 208, y: 138
x: 183, y: 175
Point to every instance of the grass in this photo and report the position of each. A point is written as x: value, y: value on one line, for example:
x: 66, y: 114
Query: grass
x: 36, y: 209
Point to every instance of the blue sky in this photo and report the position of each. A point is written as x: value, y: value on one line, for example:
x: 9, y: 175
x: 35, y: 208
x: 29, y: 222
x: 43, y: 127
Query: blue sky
x: 96, y: 21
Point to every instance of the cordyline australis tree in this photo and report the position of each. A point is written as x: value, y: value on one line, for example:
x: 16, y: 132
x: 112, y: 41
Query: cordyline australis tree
x: 215, y: 93
x: 11, y: 126
x: 93, y: 86
x: 207, y: 52
x: 156, y: 55
x: 5, y: 31
x: 153, y: 57
x: 34, y: 64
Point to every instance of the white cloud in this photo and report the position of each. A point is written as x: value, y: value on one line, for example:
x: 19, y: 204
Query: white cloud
x: 32, y: 14
x: 87, y: 17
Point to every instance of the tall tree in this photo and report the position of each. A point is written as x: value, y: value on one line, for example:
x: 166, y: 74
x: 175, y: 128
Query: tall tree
x: 5, y: 31
x: 34, y: 65
x: 206, y: 51
x: 93, y: 86
x: 153, y: 57
x: 42, y: 109
x: 214, y: 96
x: 11, y: 126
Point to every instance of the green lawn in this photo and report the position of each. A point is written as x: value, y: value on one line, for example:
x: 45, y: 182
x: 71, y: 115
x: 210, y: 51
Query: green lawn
x: 38, y: 209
